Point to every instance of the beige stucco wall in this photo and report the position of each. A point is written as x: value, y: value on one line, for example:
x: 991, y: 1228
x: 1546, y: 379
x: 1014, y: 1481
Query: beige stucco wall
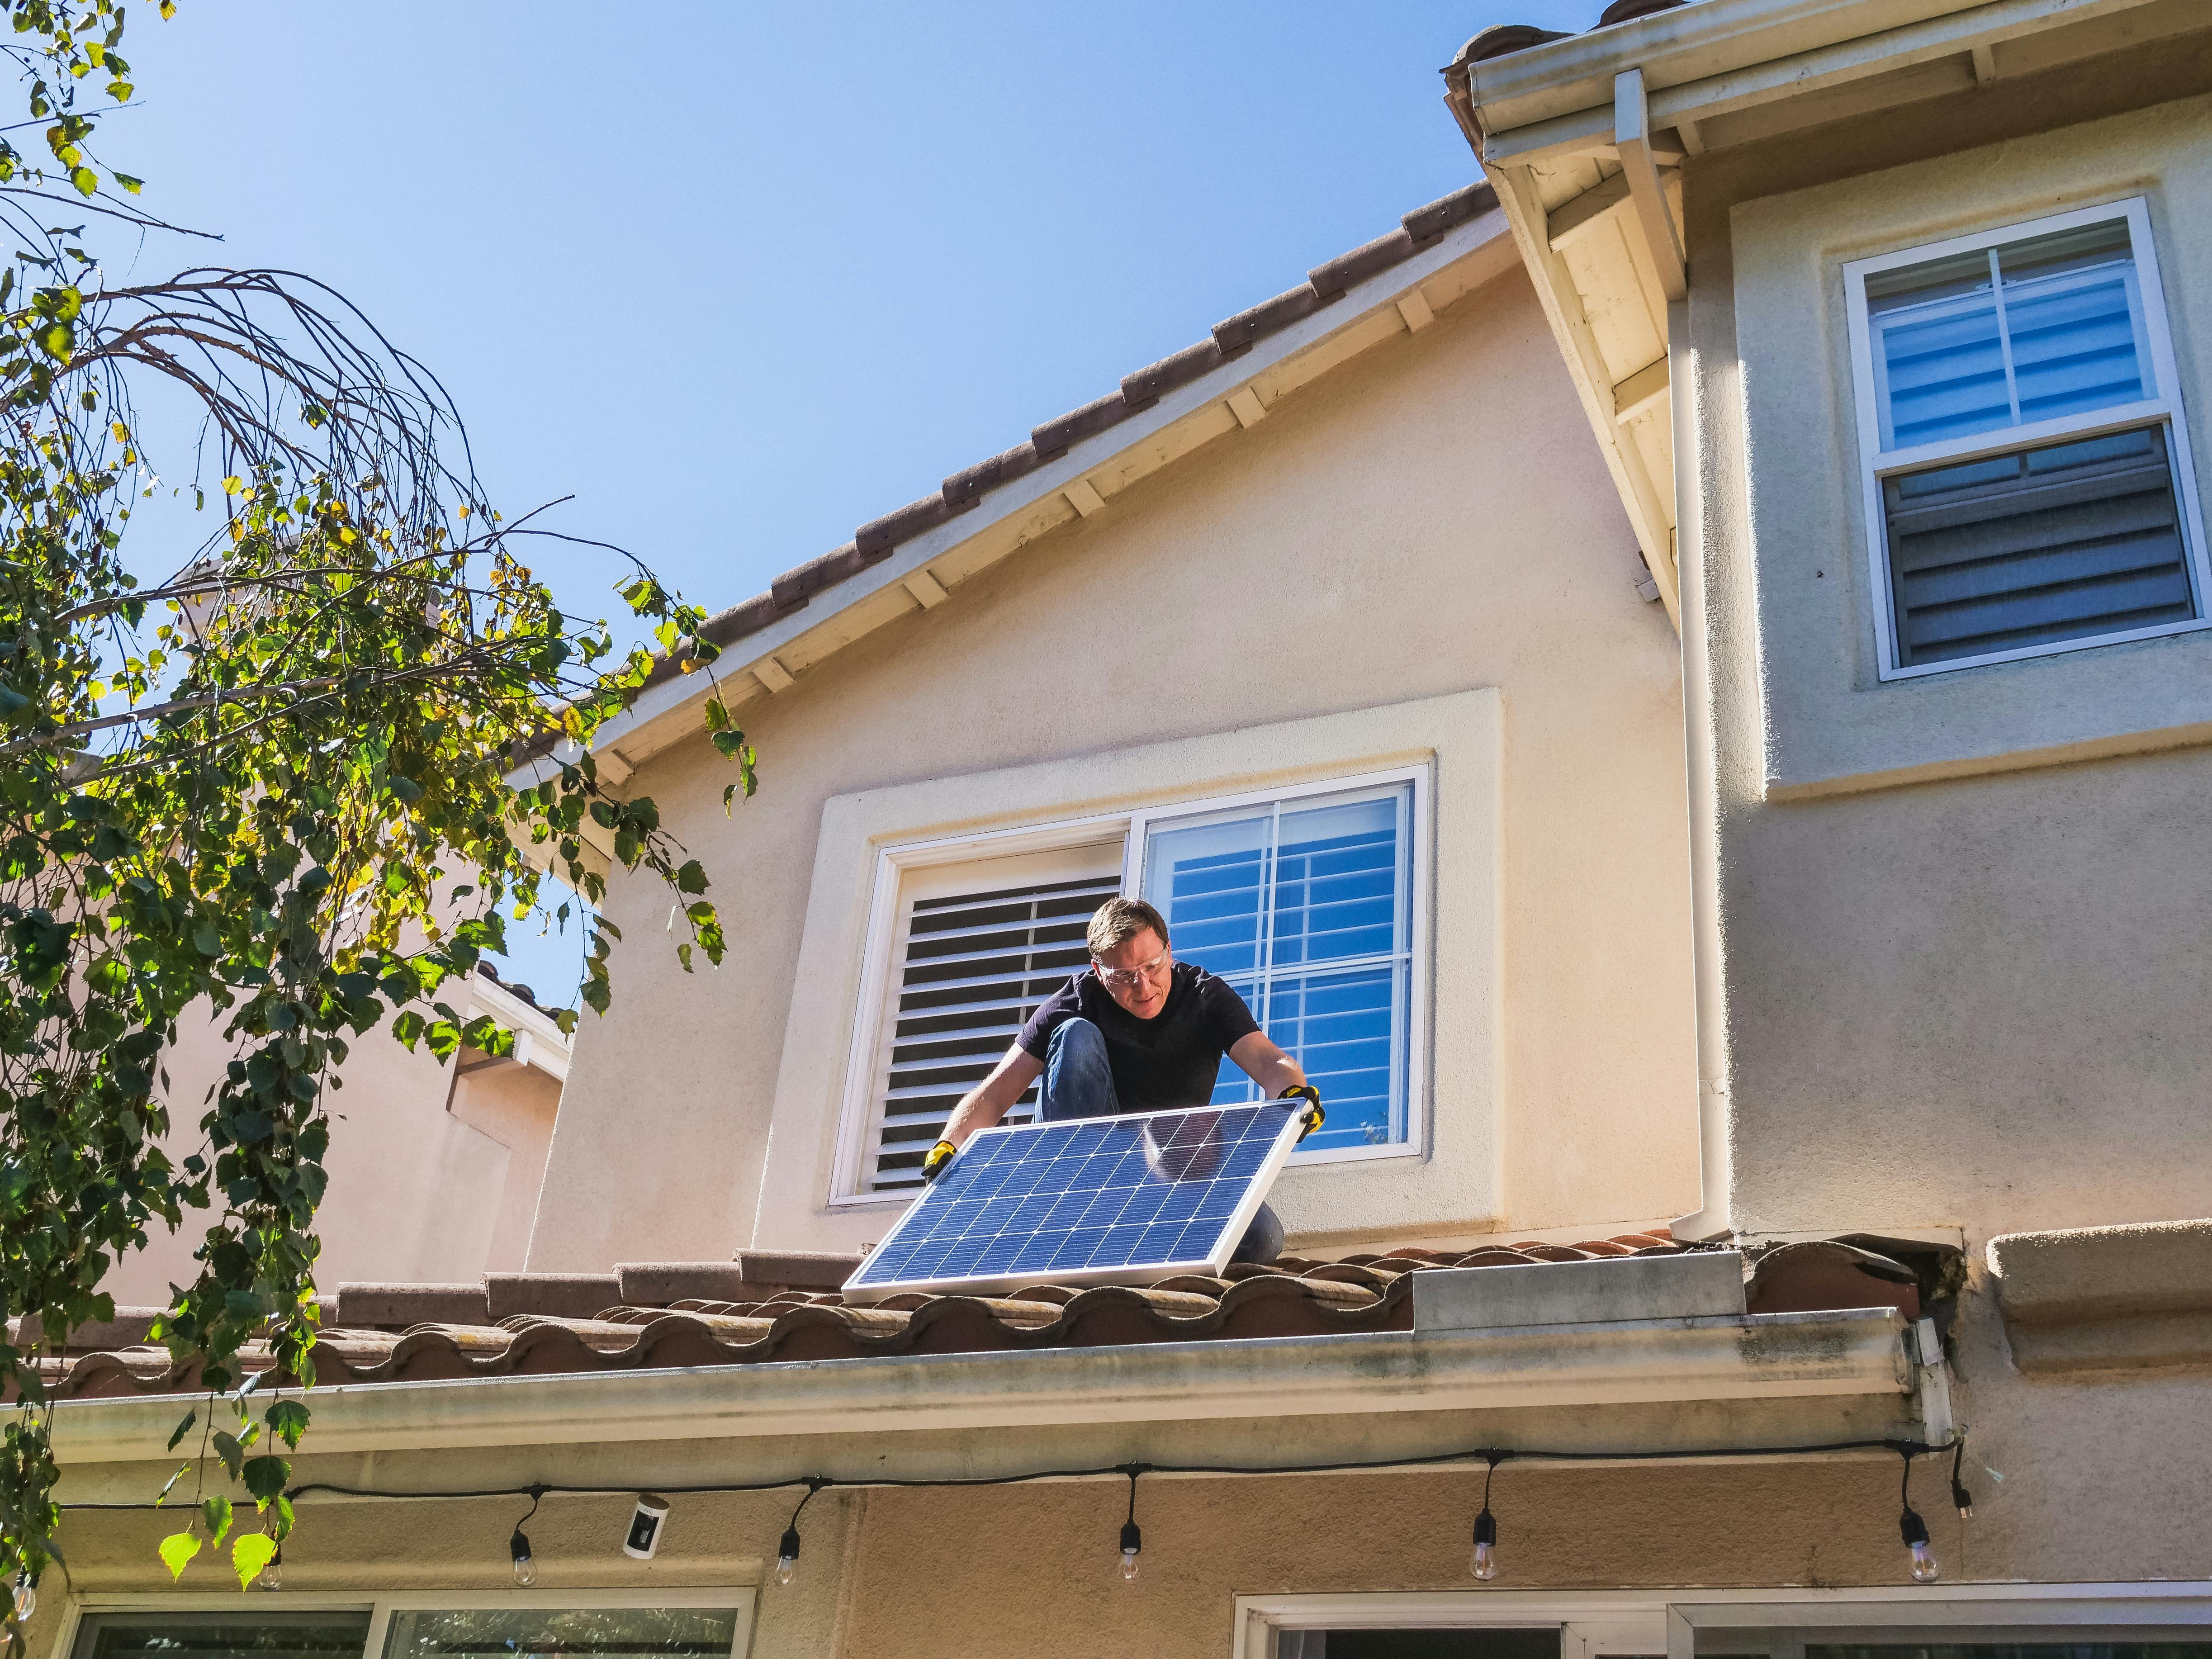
x: 1428, y: 519
x: 1974, y: 1001
x: 417, y: 1192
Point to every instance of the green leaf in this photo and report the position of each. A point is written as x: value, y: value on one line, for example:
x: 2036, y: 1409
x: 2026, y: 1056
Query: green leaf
x: 266, y: 1477
x: 251, y: 1553
x: 215, y: 1512
x: 178, y: 1550
x: 692, y: 878
x: 85, y: 180
x: 226, y: 1448
x: 288, y: 1419
x: 184, y: 1428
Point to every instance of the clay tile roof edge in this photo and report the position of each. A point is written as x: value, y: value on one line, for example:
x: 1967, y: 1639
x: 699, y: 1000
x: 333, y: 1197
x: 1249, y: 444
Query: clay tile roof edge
x: 1423, y: 244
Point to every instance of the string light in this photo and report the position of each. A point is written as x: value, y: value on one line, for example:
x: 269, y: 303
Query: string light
x: 1132, y: 1535
x: 272, y: 1576
x: 787, y: 1549
x: 1483, y: 1565
x: 26, y: 1598
x: 1914, y: 1531
x: 525, y: 1569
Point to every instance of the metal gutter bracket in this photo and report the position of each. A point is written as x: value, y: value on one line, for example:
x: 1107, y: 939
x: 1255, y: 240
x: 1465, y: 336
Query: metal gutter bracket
x: 1632, y: 138
x: 1931, y: 1381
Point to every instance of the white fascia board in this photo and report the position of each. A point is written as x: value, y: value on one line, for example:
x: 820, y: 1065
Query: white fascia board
x: 538, y: 1040
x: 1091, y: 459
x: 1720, y: 56
x: 1766, y: 1357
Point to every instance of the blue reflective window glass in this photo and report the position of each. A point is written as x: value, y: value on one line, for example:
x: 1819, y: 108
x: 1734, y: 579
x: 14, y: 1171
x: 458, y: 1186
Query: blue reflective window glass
x: 1269, y: 897
x: 2029, y: 330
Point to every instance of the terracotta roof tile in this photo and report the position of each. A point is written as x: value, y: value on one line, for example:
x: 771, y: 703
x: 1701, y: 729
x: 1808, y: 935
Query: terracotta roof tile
x: 542, y: 1333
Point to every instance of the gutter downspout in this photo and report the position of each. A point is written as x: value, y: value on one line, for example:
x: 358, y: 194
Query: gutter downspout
x: 1712, y: 1218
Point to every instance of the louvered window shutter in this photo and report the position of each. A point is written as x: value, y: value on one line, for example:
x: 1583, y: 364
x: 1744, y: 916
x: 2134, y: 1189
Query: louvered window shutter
x: 2059, y: 542
x: 978, y: 947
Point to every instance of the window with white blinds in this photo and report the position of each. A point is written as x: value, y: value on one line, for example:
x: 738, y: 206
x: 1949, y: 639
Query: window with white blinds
x: 978, y: 945
x: 1304, y: 906
x: 2028, y: 484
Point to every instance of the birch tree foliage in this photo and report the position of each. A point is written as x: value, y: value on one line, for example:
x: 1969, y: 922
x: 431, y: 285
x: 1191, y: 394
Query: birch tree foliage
x: 275, y: 784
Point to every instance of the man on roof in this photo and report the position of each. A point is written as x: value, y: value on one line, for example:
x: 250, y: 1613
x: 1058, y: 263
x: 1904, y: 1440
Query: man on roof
x: 1136, y: 1031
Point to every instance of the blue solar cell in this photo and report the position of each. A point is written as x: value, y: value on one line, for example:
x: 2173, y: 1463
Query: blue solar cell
x: 1095, y: 1202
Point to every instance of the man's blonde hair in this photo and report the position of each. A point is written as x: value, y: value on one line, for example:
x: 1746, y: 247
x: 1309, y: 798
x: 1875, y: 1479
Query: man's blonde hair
x: 1118, y: 920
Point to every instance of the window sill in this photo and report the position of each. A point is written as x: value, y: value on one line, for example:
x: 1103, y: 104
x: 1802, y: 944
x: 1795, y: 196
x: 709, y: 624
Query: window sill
x: 2115, y: 699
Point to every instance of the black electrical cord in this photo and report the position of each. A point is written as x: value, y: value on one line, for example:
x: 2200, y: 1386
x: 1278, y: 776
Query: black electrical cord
x: 1907, y: 1448
x: 1961, y: 1498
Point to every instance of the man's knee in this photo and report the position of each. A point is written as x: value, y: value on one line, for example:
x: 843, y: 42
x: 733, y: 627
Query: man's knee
x: 1075, y: 1039
x: 1079, y: 1079
x: 1263, y: 1239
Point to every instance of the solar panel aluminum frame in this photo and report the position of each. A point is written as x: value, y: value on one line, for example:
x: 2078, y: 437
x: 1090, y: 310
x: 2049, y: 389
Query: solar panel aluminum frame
x: 1210, y: 1265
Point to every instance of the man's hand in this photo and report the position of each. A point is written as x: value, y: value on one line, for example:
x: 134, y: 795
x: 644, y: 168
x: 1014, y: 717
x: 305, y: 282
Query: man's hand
x: 939, y: 1156
x: 1313, y: 1114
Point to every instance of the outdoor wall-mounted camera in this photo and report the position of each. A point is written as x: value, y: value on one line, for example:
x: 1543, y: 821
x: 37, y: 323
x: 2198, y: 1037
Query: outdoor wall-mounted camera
x: 645, y: 1527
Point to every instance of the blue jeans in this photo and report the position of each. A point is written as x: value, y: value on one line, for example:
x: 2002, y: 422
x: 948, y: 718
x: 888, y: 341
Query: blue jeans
x: 1079, y: 1083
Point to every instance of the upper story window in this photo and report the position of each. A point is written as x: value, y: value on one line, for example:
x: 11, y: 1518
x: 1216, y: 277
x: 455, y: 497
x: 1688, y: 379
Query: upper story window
x: 1305, y: 901
x: 2026, y: 466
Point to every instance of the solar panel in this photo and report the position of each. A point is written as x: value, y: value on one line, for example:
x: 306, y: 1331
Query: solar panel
x: 1088, y: 1201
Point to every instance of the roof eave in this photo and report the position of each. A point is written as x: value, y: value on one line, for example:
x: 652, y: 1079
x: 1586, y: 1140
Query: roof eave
x: 1718, y: 57
x: 1096, y: 467
x: 1853, y: 1359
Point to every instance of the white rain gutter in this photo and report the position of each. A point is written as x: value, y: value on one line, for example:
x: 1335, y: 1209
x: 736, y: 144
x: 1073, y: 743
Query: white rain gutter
x: 1765, y: 1356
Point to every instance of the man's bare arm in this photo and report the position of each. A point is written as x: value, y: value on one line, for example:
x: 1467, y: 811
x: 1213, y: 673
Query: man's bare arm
x: 990, y: 1099
x: 1258, y: 1057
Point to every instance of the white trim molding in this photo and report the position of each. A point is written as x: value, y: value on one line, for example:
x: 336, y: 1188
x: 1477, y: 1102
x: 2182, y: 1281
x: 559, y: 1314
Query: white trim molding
x: 1443, y: 1180
x: 1600, y: 1622
x: 901, y: 870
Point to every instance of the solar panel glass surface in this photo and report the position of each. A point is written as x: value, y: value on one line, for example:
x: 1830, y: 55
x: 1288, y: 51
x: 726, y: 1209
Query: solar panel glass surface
x: 1093, y: 1200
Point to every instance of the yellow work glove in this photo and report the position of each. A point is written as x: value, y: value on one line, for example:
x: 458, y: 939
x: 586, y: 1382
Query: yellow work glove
x: 939, y: 1156
x: 1313, y: 1115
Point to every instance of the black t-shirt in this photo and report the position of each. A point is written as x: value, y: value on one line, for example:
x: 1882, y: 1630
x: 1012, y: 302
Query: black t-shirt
x: 1170, y: 1060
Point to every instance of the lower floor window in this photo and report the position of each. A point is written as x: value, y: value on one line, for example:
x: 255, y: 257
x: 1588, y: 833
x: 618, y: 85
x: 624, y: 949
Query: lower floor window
x: 408, y: 1632
x: 223, y: 1636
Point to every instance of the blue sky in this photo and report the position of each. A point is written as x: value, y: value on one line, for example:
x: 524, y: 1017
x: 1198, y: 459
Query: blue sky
x: 740, y: 277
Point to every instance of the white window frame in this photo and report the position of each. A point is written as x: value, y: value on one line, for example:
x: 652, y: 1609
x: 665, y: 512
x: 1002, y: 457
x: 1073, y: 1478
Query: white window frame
x: 1416, y: 1037
x: 381, y: 1605
x: 857, y: 1116
x: 1876, y: 463
x: 857, y: 1112
x: 1618, y: 1622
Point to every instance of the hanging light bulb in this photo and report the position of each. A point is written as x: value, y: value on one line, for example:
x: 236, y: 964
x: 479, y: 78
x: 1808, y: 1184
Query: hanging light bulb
x: 272, y: 1576
x: 1961, y: 1500
x: 1133, y: 1546
x: 525, y: 1569
x: 787, y: 1556
x: 1915, y: 1532
x: 1484, y: 1563
x: 26, y: 1598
